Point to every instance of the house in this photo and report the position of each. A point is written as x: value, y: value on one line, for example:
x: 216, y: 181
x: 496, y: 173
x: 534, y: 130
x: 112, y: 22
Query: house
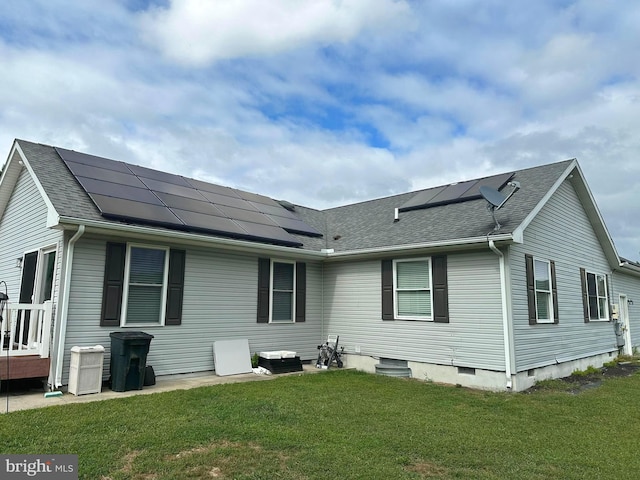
x: 426, y: 279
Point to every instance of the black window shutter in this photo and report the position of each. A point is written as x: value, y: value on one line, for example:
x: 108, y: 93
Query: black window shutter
x: 301, y: 291
x: 175, y: 287
x: 440, y: 289
x: 113, y: 284
x: 264, y: 276
x: 585, y: 295
x: 554, y: 292
x: 387, y: 290
x: 531, y: 290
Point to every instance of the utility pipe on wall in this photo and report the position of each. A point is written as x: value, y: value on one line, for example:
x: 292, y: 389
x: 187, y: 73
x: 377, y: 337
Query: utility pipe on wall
x: 505, y: 314
x: 64, y: 308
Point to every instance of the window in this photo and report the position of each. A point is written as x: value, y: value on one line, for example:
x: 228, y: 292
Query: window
x: 542, y: 292
x: 282, y: 291
x: 143, y: 285
x: 412, y: 288
x: 415, y: 289
x: 597, y: 296
x: 544, y: 304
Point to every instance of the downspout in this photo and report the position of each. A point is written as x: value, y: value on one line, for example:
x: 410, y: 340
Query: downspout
x: 64, y: 308
x: 505, y: 314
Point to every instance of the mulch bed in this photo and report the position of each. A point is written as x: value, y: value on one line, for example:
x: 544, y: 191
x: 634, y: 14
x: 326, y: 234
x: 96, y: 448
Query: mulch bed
x: 579, y: 383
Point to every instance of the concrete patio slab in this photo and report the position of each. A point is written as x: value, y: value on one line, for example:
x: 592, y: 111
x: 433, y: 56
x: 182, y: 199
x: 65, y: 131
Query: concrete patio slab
x: 22, y: 400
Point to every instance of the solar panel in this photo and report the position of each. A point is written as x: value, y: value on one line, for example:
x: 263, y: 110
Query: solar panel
x: 254, y: 197
x: 71, y: 156
x: 421, y: 199
x: 143, y: 195
x: 454, y: 193
x: 274, y: 210
x: 209, y: 223
x: 172, y: 188
x: 496, y: 182
x: 269, y: 233
x: 158, y: 175
x: 98, y: 173
x: 227, y: 200
x: 117, y: 190
x: 210, y: 187
x: 131, y: 210
x: 296, y: 226
x: 246, y: 215
x: 183, y: 203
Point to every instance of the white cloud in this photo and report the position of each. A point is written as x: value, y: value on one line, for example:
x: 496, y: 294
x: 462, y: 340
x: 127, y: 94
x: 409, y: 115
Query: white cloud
x: 325, y: 103
x: 197, y: 32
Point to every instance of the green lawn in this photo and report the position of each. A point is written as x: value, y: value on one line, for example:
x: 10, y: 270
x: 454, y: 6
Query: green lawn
x: 342, y: 424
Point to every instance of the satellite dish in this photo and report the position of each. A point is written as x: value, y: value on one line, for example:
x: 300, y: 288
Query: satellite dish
x: 493, y: 196
x: 496, y: 199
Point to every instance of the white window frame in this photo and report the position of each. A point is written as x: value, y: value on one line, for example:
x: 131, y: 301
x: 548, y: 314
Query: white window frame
x: 271, y: 291
x: 397, y: 316
x: 39, y: 279
x: 599, y: 296
x: 548, y: 292
x: 125, y: 292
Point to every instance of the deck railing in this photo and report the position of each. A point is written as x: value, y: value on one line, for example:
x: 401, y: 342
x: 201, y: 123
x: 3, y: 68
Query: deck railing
x: 26, y: 329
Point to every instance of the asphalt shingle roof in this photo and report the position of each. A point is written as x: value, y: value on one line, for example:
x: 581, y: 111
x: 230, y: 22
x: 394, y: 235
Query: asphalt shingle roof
x: 370, y: 224
x: 363, y: 225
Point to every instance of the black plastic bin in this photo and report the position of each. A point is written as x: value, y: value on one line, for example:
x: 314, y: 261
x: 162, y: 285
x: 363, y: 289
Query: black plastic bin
x: 128, y: 360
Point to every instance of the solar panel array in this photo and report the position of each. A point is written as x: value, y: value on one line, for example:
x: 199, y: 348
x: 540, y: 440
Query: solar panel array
x: 455, y: 193
x: 130, y: 192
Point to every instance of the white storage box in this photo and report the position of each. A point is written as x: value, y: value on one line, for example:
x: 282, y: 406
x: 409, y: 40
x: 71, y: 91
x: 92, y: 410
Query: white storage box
x: 277, y: 354
x: 85, y: 373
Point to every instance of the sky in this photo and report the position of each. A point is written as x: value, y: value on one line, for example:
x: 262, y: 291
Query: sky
x: 329, y: 102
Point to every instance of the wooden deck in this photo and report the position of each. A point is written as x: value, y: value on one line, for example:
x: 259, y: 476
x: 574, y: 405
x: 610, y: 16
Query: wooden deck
x: 27, y: 366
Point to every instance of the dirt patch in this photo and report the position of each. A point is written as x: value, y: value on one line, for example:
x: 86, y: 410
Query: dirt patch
x: 427, y: 469
x: 579, y: 383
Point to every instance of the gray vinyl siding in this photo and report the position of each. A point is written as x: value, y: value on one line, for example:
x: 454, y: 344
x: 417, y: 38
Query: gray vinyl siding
x: 622, y: 284
x: 220, y: 302
x: 472, y: 338
x: 560, y: 232
x: 23, y: 228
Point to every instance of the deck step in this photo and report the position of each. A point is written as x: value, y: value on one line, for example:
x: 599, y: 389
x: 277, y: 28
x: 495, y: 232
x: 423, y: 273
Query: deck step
x: 28, y: 366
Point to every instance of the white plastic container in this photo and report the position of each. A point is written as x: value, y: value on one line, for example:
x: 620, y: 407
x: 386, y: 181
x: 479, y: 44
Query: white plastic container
x: 277, y: 354
x: 85, y: 373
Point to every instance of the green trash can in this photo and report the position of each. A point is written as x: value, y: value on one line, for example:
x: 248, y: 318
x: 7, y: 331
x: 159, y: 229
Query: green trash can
x: 128, y: 360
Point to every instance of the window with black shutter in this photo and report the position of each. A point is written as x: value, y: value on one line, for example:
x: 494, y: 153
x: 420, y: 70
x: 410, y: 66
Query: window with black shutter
x: 415, y: 289
x: 143, y: 285
x: 542, y: 290
x: 282, y: 291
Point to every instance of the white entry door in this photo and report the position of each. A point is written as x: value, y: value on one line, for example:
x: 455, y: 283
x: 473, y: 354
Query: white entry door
x: 624, y: 322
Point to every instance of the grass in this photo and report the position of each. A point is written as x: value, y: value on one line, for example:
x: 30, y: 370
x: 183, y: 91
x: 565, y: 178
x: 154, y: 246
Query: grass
x: 342, y: 424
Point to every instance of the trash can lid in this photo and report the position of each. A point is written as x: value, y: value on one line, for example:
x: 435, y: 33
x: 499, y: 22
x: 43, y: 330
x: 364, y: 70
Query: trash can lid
x: 94, y: 349
x: 131, y: 335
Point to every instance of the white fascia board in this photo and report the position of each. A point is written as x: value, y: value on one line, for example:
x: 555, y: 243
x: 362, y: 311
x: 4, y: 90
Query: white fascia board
x: 152, y: 234
x: 458, y: 244
x: 52, y: 215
